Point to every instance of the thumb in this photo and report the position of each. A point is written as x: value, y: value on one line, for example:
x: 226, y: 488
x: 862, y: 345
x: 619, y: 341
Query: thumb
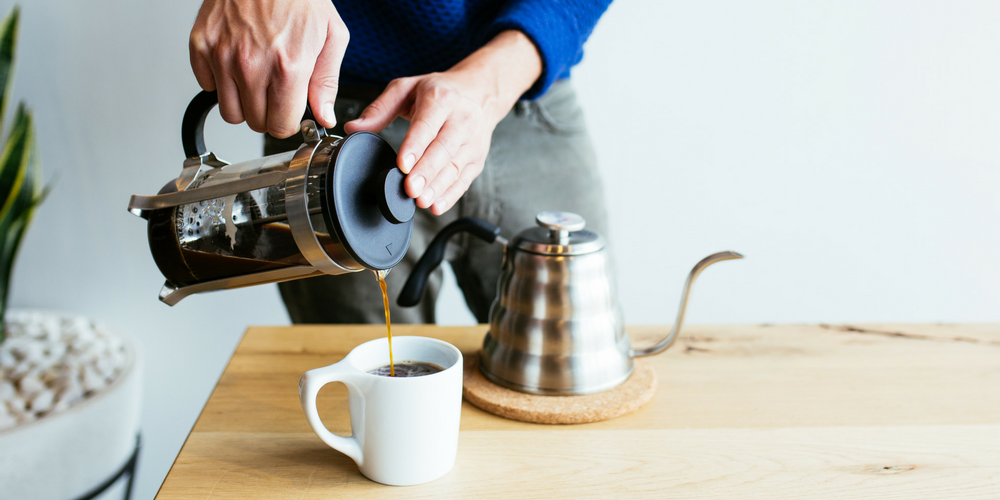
x: 325, y: 79
x: 394, y: 101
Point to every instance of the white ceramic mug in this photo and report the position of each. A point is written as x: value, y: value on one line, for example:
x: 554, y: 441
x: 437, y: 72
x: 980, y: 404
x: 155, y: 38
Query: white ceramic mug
x: 404, y: 430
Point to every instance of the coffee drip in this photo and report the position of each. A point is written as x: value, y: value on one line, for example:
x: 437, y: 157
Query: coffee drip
x: 380, y: 275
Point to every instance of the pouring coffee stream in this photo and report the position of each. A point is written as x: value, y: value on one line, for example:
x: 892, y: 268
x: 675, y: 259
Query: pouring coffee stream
x: 380, y: 276
x: 556, y: 327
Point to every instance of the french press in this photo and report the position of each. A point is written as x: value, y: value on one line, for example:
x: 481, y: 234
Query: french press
x: 333, y: 206
x: 556, y: 326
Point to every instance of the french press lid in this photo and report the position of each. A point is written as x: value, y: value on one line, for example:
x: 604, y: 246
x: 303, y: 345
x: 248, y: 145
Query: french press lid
x: 364, y: 201
x: 559, y: 233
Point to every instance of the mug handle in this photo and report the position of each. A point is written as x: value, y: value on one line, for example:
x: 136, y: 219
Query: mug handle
x: 309, y: 385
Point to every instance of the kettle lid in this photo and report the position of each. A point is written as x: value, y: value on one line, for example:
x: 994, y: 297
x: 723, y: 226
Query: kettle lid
x: 365, y: 202
x: 559, y: 233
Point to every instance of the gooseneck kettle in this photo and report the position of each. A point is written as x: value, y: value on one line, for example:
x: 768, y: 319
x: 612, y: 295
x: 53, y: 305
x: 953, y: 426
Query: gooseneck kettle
x: 333, y: 206
x: 556, y: 326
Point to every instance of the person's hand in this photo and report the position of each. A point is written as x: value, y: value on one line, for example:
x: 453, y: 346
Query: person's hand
x: 445, y: 147
x: 452, y: 116
x: 264, y: 57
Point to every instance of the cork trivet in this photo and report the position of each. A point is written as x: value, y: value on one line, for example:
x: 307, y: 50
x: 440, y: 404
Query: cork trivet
x: 626, y: 398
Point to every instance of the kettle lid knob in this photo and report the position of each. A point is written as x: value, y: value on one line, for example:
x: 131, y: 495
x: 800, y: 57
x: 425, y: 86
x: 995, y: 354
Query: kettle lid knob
x: 560, y: 224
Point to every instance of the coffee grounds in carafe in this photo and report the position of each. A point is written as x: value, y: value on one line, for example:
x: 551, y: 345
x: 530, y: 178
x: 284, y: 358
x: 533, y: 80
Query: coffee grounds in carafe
x: 191, y: 249
x: 221, y: 238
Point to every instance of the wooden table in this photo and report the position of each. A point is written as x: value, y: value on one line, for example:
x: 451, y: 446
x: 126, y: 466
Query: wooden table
x: 876, y: 411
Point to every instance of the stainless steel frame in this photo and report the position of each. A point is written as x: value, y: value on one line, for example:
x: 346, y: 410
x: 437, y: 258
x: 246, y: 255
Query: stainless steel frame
x: 297, y: 208
x: 171, y: 294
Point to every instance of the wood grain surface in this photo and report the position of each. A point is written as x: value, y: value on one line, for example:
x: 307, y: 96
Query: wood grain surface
x: 829, y: 411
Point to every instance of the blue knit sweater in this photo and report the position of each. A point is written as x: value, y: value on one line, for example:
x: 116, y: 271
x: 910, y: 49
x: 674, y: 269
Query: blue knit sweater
x: 396, y: 38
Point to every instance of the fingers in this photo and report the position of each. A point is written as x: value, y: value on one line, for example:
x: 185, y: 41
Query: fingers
x: 445, y: 153
x: 434, y: 177
x: 430, y: 111
x: 210, y: 77
x: 286, y: 103
x: 265, y: 58
x: 199, y: 63
x: 325, y: 80
x: 449, y: 182
x: 395, y: 101
x: 447, y: 175
x: 446, y: 144
x: 457, y: 188
x: 252, y: 91
x: 230, y: 104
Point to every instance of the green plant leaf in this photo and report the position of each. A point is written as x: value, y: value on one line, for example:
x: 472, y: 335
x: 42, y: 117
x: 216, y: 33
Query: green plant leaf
x: 11, y: 243
x: 28, y: 191
x: 14, y: 168
x: 20, y: 172
x: 8, y: 43
x: 10, y: 246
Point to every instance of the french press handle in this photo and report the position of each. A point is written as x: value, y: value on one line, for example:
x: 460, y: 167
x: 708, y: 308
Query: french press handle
x: 193, y: 123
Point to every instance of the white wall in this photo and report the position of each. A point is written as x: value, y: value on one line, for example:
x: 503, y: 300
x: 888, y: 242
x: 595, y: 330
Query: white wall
x: 849, y: 149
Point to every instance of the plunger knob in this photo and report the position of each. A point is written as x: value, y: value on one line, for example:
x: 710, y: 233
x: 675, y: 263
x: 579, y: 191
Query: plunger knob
x: 395, y: 205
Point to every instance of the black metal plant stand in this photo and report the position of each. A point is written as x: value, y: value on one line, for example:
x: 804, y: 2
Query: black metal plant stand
x: 127, y: 469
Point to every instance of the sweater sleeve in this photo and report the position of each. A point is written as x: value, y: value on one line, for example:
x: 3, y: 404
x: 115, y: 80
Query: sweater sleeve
x: 557, y: 27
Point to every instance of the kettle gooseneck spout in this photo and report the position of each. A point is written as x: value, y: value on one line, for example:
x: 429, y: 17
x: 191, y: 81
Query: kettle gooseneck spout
x: 692, y: 276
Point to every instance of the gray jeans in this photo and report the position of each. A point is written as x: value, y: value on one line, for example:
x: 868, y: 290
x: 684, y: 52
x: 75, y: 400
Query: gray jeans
x: 541, y: 158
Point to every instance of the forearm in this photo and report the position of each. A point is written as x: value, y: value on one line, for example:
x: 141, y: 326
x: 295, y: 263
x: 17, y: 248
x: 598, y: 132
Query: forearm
x: 501, y: 71
x: 558, y: 28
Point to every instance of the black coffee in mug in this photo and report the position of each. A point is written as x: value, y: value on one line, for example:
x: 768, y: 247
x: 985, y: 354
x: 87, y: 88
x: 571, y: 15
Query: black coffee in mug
x: 407, y: 369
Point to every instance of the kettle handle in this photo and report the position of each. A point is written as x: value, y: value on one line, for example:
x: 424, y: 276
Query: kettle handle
x: 193, y: 123
x: 434, y: 254
x: 698, y: 268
